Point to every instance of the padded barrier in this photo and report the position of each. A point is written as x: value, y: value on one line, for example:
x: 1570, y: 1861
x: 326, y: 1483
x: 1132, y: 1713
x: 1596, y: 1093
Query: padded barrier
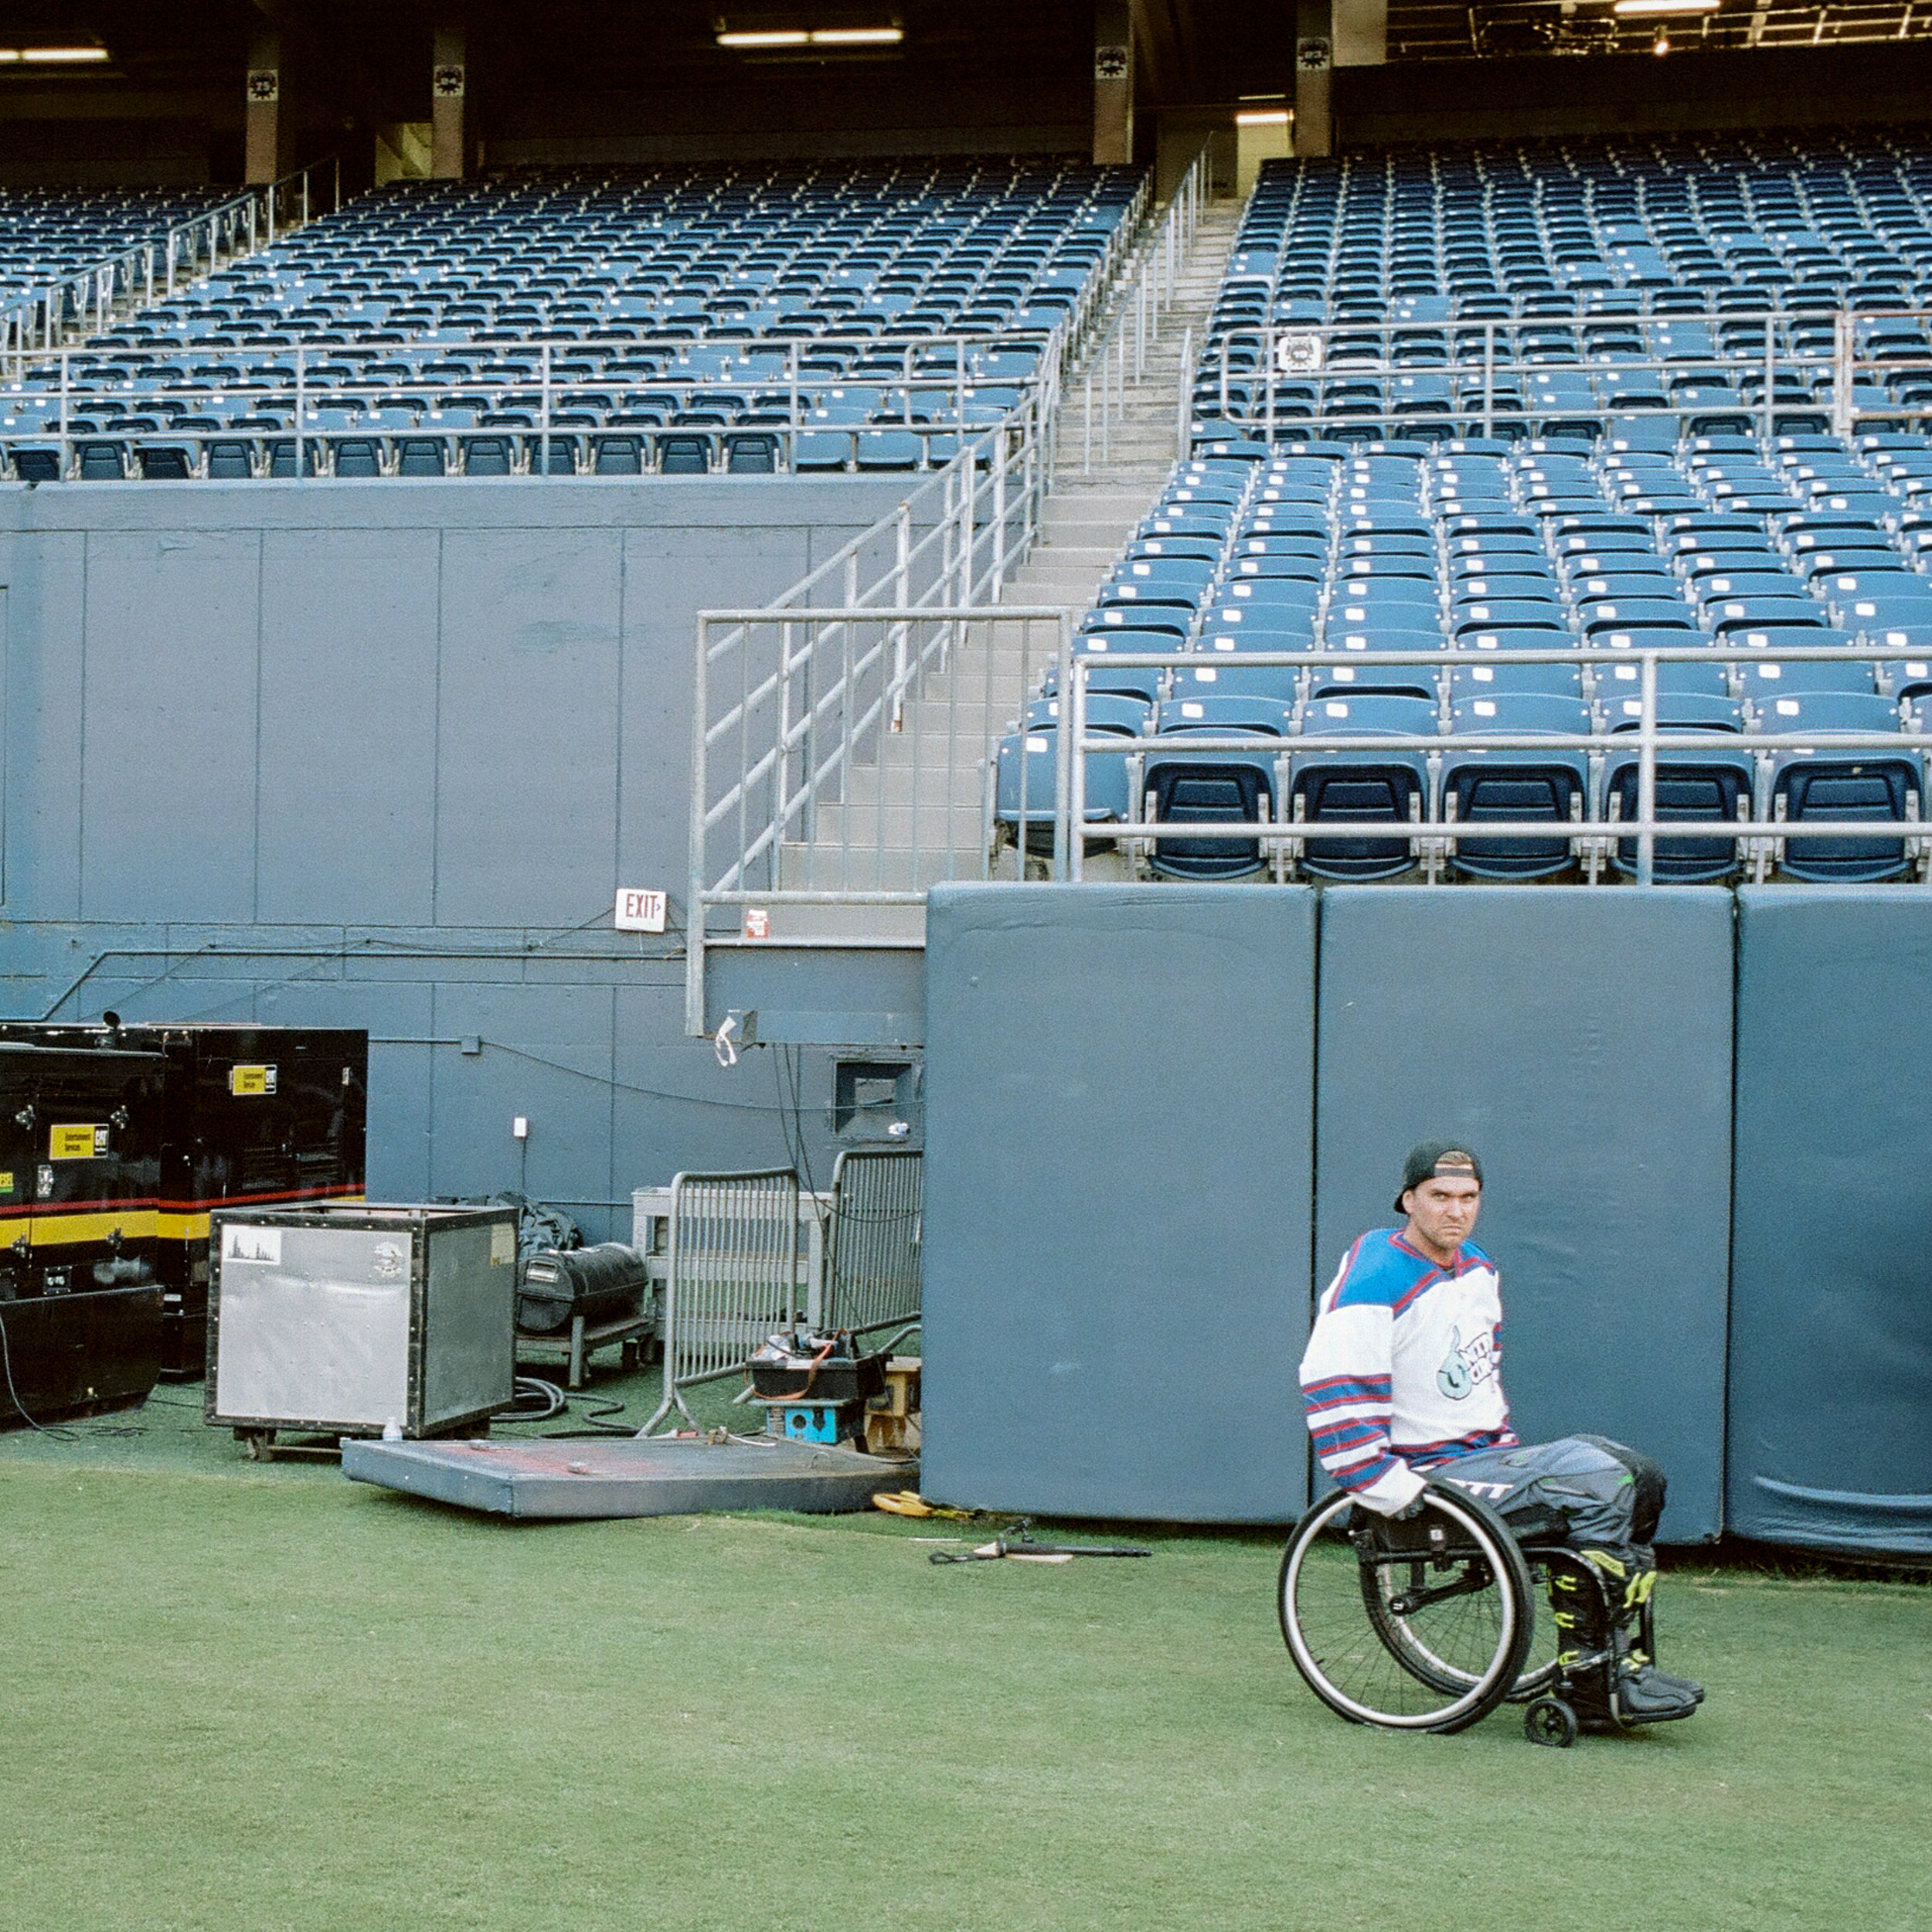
x: 1582, y: 1043
x: 1119, y: 1103
x: 1830, y: 1387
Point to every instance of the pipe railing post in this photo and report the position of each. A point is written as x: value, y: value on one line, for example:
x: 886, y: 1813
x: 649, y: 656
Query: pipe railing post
x: 1646, y: 774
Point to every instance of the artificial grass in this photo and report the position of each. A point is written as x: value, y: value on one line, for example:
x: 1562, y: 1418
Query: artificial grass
x: 265, y: 1697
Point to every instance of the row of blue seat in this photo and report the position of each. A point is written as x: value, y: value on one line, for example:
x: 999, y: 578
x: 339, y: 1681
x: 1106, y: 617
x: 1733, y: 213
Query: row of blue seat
x: 978, y: 249
x: 1501, y: 550
x: 1529, y: 221
x: 48, y: 234
x: 1423, y: 573
x: 1436, y: 764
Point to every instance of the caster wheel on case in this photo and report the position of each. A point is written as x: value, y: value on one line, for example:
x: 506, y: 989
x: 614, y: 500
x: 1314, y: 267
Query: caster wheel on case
x: 1549, y: 1720
x: 259, y: 1445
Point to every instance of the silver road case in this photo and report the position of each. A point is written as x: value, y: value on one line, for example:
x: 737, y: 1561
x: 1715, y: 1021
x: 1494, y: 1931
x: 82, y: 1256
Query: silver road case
x: 341, y: 1321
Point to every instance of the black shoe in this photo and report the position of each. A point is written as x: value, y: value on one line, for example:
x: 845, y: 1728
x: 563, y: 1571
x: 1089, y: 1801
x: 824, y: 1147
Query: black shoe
x: 1645, y: 1695
x: 1682, y: 1686
x: 1678, y: 1686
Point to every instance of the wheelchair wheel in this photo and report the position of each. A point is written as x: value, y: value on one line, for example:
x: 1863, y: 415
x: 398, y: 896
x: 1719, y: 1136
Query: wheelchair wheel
x: 1424, y: 1625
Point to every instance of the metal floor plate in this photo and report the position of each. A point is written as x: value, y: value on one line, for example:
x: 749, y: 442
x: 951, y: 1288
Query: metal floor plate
x: 656, y: 1476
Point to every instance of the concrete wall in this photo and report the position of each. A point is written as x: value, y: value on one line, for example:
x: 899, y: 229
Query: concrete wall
x: 379, y: 755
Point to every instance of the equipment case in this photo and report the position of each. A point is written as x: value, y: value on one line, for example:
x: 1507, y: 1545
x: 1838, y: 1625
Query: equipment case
x: 345, y: 1321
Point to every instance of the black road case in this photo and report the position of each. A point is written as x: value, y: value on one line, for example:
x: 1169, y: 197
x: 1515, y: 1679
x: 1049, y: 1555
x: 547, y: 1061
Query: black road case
x: 80, y: 1296
x: 265, y: 1116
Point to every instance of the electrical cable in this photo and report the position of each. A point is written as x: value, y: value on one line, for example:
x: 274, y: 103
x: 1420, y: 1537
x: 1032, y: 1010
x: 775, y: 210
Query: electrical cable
x: 551, y: 1401
x: 59, y: 1432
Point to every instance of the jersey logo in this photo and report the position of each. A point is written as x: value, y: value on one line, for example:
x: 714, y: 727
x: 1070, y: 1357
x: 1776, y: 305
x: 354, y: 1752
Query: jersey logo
x: 1465, y: 1364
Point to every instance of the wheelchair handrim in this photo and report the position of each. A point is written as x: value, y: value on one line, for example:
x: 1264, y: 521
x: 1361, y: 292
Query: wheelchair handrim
x: 1483, y: 1694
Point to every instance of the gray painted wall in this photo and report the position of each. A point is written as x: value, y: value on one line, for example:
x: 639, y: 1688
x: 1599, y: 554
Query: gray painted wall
x: 378, y: 754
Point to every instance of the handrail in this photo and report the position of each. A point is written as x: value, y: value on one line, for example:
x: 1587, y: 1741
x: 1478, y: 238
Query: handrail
x: 954, y: 385
x: 1486, y: 361
x: 1152, y: 277
x: 1646, y: 736
x: 791, y: 697
x: 34, y: 325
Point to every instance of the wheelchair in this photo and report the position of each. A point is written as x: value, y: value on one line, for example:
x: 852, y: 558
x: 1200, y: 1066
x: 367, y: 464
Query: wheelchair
x: 1430, y: 1624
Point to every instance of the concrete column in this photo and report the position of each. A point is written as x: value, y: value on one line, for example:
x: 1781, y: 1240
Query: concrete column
x: 1361, y: 32
x: 1313, y: 58
x: 1112, y: 81
x: 449, y: 96
x: 262, y: 156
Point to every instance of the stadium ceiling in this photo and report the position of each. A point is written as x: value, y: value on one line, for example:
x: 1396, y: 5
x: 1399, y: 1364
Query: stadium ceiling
x: 1451, y: 30
x: 1190, y: 51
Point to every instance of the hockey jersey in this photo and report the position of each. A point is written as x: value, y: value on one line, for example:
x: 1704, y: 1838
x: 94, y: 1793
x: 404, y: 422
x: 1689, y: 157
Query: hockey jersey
x: 1404, y: 1368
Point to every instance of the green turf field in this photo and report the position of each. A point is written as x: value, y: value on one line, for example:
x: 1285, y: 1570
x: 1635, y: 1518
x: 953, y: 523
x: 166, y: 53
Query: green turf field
x: 260, y: 1697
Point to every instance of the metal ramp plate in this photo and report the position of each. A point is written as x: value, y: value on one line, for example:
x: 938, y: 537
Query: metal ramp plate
x: 655, y: 1476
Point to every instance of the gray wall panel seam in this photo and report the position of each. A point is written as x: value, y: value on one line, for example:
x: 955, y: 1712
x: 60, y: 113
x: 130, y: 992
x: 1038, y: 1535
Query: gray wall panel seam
x: 261, y: 594
x: 435, y: 750
x: 80, y: 750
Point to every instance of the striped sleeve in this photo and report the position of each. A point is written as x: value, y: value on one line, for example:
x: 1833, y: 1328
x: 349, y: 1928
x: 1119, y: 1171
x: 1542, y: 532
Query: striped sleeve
x: 1345, y: 1393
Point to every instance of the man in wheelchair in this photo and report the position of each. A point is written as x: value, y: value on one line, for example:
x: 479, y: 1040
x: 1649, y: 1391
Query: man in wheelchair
x: 1403, y: 1378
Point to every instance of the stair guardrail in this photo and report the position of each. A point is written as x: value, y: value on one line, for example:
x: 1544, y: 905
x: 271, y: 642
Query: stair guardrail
x: 793, y: 700
x: 35, y: 325
x: 1144, y: 290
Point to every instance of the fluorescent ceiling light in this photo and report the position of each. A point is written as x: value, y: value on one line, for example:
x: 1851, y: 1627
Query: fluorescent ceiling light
x: 1625, y: 9
x: 62, y: 55
x: 857, y: 36
x: 785, y: 37
x: 1269, y: 118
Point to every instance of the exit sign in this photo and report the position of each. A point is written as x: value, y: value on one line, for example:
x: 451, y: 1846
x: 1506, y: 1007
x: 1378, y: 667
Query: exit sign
x: 639, y: 911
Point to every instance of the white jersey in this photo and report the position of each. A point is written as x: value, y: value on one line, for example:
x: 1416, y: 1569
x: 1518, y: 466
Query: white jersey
x: 1404, y: 1369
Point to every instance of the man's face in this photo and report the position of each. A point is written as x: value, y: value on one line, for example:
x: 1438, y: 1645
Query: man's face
x: 1442, y: 1212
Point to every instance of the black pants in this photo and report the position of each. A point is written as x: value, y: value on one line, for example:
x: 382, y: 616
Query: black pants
x: 1601, y: 1498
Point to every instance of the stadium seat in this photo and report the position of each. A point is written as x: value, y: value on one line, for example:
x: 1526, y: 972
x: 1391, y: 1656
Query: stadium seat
x: 1480, y: 783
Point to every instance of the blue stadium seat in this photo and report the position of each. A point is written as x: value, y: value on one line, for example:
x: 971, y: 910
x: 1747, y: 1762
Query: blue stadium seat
x: 1506, y: 783
x: 1701, y: 782
x: 1214, y: 787
x: 1390, y: 785
x: 1879, y: 784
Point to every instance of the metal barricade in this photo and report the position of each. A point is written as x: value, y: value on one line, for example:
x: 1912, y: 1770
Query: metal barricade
x: 733, y: 1277
x: 872, y: 1269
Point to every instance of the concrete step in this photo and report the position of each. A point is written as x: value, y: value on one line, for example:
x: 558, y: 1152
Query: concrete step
x: 871, y: 827
x: 891, y: 869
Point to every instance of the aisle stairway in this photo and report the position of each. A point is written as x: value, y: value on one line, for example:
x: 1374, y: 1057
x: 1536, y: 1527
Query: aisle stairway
x: 1091, y: 512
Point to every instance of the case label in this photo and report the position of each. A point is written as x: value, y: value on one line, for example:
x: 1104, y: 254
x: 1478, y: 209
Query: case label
x: 502, y: 1245
x: 251, y: 1083
x: 242, y: 1243
x: 77, y: 1141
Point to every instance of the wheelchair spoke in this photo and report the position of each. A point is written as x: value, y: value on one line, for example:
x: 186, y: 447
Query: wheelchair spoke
x: 1422, y: 1638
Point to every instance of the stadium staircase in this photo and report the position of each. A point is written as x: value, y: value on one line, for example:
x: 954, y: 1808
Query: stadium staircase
x: 1091, y: 510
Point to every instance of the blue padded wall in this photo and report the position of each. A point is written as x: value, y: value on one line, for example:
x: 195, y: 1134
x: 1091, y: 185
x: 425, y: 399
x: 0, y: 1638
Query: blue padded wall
x: 1581, y: 1043
x: 1831, y: 1402
x: 1119, y: 1087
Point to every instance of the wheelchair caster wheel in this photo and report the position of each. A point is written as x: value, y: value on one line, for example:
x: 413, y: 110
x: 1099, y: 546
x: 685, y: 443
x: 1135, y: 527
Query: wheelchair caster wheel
x: 1549, y: 1720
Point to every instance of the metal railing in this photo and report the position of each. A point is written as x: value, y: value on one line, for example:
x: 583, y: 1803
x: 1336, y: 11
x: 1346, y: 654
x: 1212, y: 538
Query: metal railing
x: 309, y: 408
x: 732, y: 1279
x: 1273, y: 381
x: 802, y: 704
x: 1150, y: 278
x: 873, y: 1267
x: 1434, y: 836
x: 85, y: 301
